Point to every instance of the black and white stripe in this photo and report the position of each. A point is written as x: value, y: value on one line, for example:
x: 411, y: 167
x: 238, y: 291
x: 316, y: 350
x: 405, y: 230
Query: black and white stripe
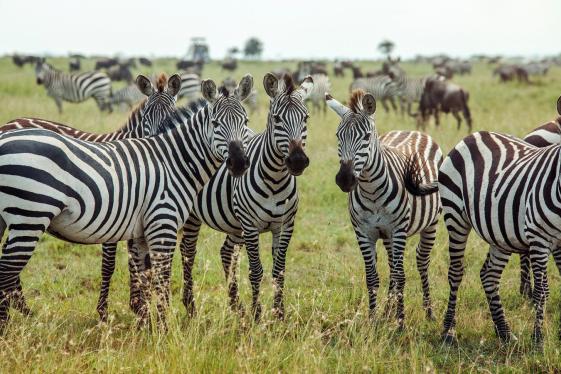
x: 265, y: 199
x: 190, y: 86
x: 382, y: 87
x: 129, y: 95
x: 509, y: 192
x: 386, y: 198
x: 75, y: 87
x: 133, y: 189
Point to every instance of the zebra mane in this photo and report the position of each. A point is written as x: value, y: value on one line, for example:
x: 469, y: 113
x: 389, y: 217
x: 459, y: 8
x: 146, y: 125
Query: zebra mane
x: 180, y: 115
x: 355, y: 102
x: 161, y: 82
x: 289, y: 86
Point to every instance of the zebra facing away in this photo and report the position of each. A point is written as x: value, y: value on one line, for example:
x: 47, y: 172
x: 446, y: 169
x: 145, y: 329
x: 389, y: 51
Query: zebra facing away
x: 386, y: 198
x: 75, y: 87
x: 508, y: 191
x: 132, y: 189
x: 265, y: 199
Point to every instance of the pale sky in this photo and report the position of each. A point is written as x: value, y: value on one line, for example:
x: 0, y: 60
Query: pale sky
x: 288, y: 28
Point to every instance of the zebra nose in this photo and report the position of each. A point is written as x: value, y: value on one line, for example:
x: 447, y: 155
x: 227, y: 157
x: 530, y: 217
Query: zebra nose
x: 345, y: 178
x: 237, y: 161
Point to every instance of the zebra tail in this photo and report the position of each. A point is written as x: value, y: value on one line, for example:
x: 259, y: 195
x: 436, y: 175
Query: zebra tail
x: 412, y: 178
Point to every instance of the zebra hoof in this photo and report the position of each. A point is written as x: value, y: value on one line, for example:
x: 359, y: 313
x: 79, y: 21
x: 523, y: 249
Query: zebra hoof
x: 430, y: 315
x: 537, y: 339
x: 278, y: 312
x: 257, y: 312
x: 450, y: 338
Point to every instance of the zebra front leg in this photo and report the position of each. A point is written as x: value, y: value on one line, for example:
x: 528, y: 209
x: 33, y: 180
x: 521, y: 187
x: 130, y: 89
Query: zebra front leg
x: 424, y: 248
x: 391, y: 284
x: 525, y: 280
x: 539, y: 256
x: 490, y: 275
x: 251, y: 237
x: 188, y: 248
x: 58, y: 103
x: 108, y: 252
x: 16, y: 252
x: 161, y: 246
x: 367, y: 245
x: 398, y: 273
x: 458, y: 233
x: 229, y: 253
x: 281, y: 240
x: 557, y: 257
x: 140, y: 269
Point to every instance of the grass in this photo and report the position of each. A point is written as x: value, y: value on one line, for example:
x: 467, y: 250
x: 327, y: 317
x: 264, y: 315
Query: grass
x: 326, y: 327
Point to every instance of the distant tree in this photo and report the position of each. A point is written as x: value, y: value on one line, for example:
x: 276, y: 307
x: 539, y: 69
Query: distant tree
x: 386, y: 47
x: 253, y: 48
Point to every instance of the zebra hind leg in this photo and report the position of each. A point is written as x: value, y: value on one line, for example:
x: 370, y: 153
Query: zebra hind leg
x: 251, y: 238
x: 398, y: 274
x: 426, y: 242
x: 490, y: 275
x: 188, y: 248
x: 539, y: 256
x: 108, y: 252
x: 557, y: 257
x: 525, y: 280
x: 229, y: 253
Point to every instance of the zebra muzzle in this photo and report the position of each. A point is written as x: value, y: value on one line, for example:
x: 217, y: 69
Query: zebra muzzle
x: 345, y: 178
x: 297, y: 161
x: 237, y: 161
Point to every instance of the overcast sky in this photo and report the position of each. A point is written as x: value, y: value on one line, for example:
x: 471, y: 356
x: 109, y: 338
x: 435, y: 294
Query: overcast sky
x: 288, y: 28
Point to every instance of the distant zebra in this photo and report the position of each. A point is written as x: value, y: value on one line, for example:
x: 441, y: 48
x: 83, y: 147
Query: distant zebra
x: 73, y: 87
x: 190, y: 86
x: 265, y: 199
x: 382, y: 87
x: 139, y: 189
x: 251, y: 102
x: 508, y: 192
x: 317, y: 96
x: 129, y: 95
x: 409, y: 91
x: 386, y: 198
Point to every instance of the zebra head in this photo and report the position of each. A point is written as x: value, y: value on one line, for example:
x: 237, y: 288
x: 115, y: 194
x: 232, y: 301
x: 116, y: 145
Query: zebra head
x: 228, y: 120
x: 160, y: 102
x: 41, y: 69
x: 354, y: 136
x: 288, y: 118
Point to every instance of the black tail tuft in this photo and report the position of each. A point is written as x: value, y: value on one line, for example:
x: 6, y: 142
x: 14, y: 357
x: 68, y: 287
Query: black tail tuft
x: 413, y: 178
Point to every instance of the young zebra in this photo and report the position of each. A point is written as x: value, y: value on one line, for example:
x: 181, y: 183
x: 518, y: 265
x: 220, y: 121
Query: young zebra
x: 144, y: 121
x: 265, y: 199
x: 508, y: 191
x: 190, y: 86
x: 129, y: 95
x: 386, y: 200
x: 132, y: 189
x: 74, y: 88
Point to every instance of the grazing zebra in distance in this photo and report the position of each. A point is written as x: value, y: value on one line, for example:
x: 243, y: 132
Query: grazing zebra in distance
x: 382, y: 87
x: 317, y: 96
x: 190, y: 86
x: 75, y: 87
x: 132, y: 189
x: 386, y: 198
x: 265, y: 199
x: 144, y: 121
x: 129, y: 95
x: 508, y: 192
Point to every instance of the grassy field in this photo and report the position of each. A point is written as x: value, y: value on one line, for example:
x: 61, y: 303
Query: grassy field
x: 327, y: 326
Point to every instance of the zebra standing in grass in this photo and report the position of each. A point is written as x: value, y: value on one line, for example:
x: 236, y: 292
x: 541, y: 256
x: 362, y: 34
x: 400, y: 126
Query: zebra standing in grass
x: 190, y: 86
x: 129, y: 95
x: 132, y: 189
x: 386, y: 198
x: 74, y: 88
x: 265, y: 199
x: 317, y: 96
x: 382, y: 87
x: 409, y: 90
x: 508, y: 191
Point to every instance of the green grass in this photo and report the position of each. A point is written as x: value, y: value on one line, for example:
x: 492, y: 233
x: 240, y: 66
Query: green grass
x: 326, y: 327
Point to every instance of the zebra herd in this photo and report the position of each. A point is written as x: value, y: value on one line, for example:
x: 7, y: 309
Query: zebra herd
x: 169, y: 168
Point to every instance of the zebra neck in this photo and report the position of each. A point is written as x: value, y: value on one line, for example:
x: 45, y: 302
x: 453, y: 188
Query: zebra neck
x: 271, y: 160
x: 374, y: 180
x: 133, y: 126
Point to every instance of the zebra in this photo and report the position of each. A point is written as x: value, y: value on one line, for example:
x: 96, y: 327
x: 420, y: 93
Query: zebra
x: 140, y: 190
x: 409, y: 90
x: 265, y: 199
x: 387, y: 200
x: 508, y: 192
x: 190, y: 86
x: 129, y: 95
x: 382, y: 87
x: 251, y: 103
x: 317, y: 96
x: 74, y: 87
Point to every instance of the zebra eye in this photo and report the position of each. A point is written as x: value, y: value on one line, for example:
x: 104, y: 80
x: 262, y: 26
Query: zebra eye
x: 277, y: 118
x: 367, y: 136
x: 215, y: 123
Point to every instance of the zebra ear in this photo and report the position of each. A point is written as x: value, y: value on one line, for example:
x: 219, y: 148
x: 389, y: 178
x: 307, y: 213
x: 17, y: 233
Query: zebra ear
x: 307, y: 86
x: 244, y: 88
x: 174, y: 85
x: 559, y: 106
x: 337, y: 107
x: 369, y: 104
x: 271, y: 84
x: 208, y: 89
x: 144, y: 85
